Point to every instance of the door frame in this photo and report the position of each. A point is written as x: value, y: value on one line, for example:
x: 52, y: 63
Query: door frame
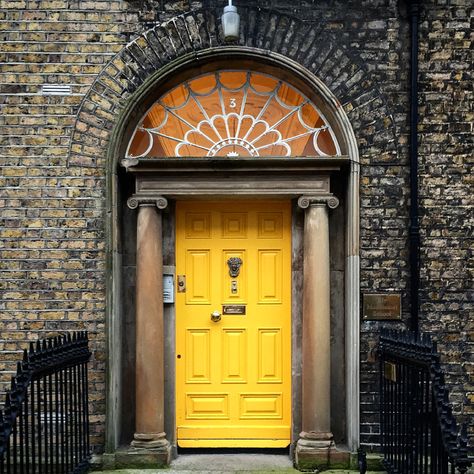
x: 164, y: 180
x: 117, y: 192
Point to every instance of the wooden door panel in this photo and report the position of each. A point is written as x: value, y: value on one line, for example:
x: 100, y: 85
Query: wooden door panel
x: 233, y: 376
x: 270, y: 225
x: 269, y: 276
x: 198, y: 290
x: 234, y: 225
x: 261, y: 406
x: 207, y: 406
x: 269, y: 355
x: 234, y: 355
x: 198, y: 225
x: 198, y: 360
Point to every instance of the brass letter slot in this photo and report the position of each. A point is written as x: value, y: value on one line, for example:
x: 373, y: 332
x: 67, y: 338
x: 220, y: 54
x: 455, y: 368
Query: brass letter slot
x: 235, y: 309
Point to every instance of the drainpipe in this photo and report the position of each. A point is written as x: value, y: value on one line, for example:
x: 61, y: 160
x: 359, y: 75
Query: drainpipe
x: 414, y: 229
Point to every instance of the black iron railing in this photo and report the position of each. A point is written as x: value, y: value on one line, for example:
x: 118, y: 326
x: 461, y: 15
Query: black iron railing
x: 44, y: 426
x: 419, y: 434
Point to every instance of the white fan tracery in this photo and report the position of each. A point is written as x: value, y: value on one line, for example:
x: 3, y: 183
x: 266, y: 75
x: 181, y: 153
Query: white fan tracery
x: 233, y: 121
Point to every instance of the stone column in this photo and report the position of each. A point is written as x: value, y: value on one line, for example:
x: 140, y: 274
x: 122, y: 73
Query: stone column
x: 149, y: 373
x: 313, y: 447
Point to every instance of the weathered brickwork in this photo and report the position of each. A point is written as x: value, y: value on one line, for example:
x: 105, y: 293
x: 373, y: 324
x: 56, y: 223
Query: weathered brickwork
x: 52, y: 259
x: 54, y: 148
x: 446, y: 175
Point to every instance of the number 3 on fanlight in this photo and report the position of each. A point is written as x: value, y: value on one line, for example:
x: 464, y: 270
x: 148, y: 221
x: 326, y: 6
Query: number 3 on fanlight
x: 232, y: 104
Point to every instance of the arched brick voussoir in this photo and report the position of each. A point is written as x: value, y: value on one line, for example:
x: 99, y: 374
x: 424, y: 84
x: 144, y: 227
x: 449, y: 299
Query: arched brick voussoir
x: 312, y: 45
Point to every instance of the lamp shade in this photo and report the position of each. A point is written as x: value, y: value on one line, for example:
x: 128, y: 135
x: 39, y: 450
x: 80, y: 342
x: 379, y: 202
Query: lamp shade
x: 230, y: 23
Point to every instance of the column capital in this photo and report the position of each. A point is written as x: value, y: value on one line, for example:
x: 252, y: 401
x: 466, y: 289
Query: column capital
x: 325, y: 199
x: 159, y: 201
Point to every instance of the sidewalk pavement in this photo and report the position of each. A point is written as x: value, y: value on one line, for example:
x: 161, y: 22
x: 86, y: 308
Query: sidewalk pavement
x: 227, y: 464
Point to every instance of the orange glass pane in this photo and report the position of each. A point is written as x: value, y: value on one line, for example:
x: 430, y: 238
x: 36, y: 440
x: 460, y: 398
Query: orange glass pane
x: 233, y: 113
x: 140, y: 143
x: 289, y: 96
x: 262, y: 83
x: 155, y: 117
x: 233, y: 79
x: 204, y: 84
x: 175, y: 98
x: 325, y: 143
x: 310, y: 116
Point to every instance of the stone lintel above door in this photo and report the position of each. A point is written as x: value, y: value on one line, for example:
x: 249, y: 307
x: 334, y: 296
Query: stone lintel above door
x: 210, y: 177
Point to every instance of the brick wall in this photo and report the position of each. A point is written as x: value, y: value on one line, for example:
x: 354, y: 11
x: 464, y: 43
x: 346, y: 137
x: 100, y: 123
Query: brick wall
x: 52, y: 241
x: 53, y: 148
x: 446, y: 177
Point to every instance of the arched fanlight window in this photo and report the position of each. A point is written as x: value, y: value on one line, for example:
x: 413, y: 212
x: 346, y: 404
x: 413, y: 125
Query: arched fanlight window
x: 233, y: 113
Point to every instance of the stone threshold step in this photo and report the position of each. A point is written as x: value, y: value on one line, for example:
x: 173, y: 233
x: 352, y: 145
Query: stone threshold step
x: 247, y: 471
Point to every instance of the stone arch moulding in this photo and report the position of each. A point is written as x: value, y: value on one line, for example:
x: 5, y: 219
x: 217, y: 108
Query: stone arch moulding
x: 311, y: 54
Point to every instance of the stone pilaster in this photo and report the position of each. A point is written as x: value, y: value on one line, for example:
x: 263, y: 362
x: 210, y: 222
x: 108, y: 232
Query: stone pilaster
x: 149, y: 428
x: 316, y: 439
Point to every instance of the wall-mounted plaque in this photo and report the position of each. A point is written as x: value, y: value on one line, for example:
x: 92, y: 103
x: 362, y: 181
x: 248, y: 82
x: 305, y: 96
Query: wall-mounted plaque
x: 382, y: 306
x: 237, y: 309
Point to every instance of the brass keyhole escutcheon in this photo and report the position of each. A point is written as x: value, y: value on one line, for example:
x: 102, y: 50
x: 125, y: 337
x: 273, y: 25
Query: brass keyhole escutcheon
x: 181, y: 283
x: 216, y: 316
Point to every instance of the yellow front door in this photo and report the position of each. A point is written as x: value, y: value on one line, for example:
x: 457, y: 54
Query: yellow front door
x: 233, y: 324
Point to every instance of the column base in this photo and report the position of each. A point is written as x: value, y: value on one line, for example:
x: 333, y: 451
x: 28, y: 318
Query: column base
x: 318, y: 451
x: 147, y: 450
x: 149, y: 440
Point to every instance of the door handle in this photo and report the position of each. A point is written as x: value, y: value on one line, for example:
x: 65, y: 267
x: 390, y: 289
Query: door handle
x: 216, y: 316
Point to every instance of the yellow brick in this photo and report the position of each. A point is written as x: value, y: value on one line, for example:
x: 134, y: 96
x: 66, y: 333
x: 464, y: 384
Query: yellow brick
x: 14, y: 171
x: 35, y: 223
x: 54, y: 315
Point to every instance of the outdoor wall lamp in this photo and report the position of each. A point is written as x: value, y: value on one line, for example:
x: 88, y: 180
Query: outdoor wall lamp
x: 230, y: 22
